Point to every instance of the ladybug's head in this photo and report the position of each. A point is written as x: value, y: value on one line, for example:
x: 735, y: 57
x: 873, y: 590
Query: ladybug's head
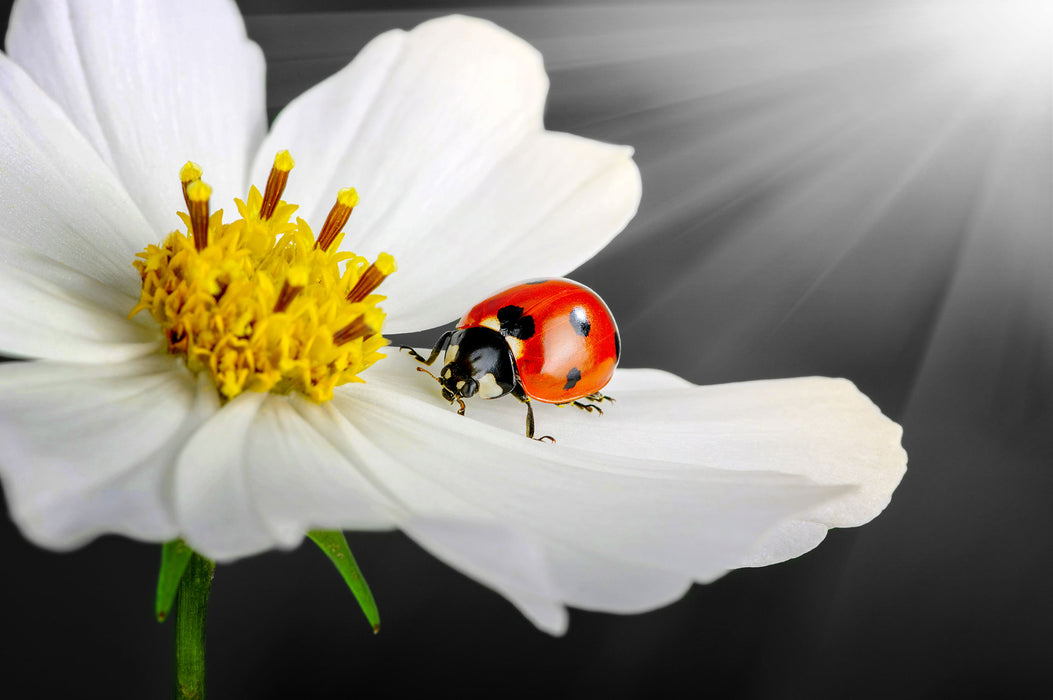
x: 478, y: 361
x: 457, y: 381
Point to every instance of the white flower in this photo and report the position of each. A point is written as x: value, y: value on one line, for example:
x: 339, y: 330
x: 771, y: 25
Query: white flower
x: 440, y: 129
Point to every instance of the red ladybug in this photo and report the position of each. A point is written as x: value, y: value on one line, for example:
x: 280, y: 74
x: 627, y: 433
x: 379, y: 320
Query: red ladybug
x: 551, y: 340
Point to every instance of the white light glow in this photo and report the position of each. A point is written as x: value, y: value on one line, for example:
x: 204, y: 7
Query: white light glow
x: 1006, y: 41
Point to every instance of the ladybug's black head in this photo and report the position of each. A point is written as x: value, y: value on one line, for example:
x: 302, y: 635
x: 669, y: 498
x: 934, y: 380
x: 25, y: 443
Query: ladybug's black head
x: 457, y: 381
x: 478, y: 361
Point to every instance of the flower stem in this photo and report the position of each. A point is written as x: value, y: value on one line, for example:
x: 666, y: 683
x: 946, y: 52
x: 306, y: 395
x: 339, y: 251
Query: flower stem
x: 191, y: 611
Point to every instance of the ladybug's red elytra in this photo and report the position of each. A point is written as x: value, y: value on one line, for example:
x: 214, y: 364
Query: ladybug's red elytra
x: 550, y: 340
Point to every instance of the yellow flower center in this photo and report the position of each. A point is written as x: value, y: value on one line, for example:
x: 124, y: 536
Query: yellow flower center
x: 259, y: 303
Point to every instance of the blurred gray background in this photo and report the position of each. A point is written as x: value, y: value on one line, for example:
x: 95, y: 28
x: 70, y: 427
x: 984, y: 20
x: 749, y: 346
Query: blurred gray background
x: 856, y: 189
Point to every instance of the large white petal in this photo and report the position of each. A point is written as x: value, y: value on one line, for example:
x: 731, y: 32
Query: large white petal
x: 68, y: 236
x: 41, y: 319
x: 503, y: 558
x: 151, y: 85
x: 88, y: 449
x: 60, y: 200
x: 820, y: 428
x: 592, y: 529
x: 259, y: 475
x: 440, y: 130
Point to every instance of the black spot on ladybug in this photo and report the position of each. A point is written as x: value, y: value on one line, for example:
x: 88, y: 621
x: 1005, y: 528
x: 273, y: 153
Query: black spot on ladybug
x: 573, y: 377
x: 514, y: 323
x: 579, y: 321
x: 617, y: 346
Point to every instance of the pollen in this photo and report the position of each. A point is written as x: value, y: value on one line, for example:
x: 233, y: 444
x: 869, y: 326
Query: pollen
x: 260, y: 304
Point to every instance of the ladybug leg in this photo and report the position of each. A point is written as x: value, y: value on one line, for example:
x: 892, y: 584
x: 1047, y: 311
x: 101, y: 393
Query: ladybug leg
x: 440, y: 345
x: 519, y: 394
x: 587, y: 407
x: 460, y: 402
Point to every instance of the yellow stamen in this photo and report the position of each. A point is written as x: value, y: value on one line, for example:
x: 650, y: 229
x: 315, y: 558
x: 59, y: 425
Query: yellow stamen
x: 283, y: 164
x: 197, y: 195
x: 372, y: 277
x: 256, y: 304
x: 346, y: 200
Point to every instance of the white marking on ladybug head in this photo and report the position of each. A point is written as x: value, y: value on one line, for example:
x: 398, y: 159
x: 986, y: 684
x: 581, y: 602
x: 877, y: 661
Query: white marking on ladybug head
x: 460, y: 385
x: 488, y: 387
x: 446, y: 372
x: 451, y: 353
x: 492, y: 323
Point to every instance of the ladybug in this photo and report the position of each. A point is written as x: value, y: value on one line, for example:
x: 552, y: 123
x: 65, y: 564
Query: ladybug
x: 548, y: 340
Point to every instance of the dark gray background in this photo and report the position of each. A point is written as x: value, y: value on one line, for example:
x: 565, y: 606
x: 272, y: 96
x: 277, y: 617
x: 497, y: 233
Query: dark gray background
x: 830, y: 188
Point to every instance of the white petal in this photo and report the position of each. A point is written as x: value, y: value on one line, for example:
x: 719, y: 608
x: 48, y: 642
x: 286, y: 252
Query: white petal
x: 60, y: 200
x: 213, y: 504
x: 653, y: 522
x: 820, y: 428
x: 68, y: 235
x: 151, y: 85
x: 259, y: 475
x: 500, y: 557
x: 40, y: 319
x: 790, y: 539
x: 440, y: 130
x: 88, y: 449
x: 300, y: 481
x: 592, y: 582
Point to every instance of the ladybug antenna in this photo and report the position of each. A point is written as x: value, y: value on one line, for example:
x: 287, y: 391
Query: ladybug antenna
x: 446, y: 393
x: 422, y: 369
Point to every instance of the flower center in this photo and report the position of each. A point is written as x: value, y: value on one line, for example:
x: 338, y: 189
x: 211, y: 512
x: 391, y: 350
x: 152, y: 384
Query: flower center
x: 260, y: 303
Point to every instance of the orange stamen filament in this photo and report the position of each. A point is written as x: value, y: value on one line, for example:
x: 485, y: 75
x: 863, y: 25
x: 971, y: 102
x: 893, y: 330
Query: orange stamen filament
x: 198, y: 194
x: 285, y: 297
x: 346, y: 200
x: 372, y: 278
x: 352, y: 331
x: 272, y: 194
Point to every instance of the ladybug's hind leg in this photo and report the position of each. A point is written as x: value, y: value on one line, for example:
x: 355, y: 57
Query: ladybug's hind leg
x: 440, y: 346
x: 589, y: 407
x: 521, y: 395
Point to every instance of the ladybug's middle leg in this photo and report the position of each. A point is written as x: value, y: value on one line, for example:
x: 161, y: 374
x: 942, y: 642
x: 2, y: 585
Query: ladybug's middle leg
x: 440, y: 346
x: 521, y: 395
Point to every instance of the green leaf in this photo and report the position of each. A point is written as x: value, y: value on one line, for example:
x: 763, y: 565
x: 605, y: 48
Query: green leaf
x: 175, y: 555
x: 334, y: 544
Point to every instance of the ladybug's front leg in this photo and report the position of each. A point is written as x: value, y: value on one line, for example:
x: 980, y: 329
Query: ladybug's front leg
x: 521, y: 395
x: 599, y: 398
x: 440, y: 346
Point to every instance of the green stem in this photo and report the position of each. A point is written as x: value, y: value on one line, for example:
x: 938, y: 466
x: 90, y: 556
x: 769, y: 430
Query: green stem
x: 191, y: 611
